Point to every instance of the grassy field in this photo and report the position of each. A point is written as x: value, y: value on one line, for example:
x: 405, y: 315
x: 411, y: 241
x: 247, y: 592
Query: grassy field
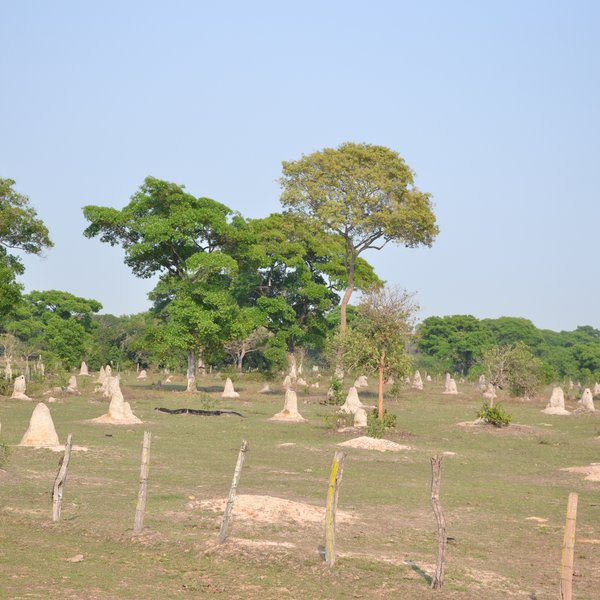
x: 496, y: 480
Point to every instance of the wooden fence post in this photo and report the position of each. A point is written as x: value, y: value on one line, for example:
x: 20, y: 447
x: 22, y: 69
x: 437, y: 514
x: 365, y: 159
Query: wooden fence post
x: 59, y: 482
x: 232, y: 492
x: 138, y: 523
x: 436, y: 477
x: 566, y: 564
x: 335, y: 478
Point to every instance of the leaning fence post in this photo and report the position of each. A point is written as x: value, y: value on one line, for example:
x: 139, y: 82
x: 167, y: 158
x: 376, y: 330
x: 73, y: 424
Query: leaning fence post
x: 59, y: 482
x: 140, y: 510
x: 566, y: 564
x: 335, y: 478
x: 436, y: 477
x: 232, y: 492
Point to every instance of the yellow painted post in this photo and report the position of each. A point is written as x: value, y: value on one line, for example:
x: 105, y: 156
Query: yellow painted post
x: 335, y: 478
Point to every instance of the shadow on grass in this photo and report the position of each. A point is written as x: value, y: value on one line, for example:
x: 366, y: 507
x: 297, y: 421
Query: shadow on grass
x: 417, y: 569
x: 213, y: 388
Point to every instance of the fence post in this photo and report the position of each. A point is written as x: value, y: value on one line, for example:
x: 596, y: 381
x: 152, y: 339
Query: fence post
x: 232, y: 492
x: 59, y: 482
x: 566, y: 564
x: 335, y: 478
x: 436, y: 477
x: 140, y: 510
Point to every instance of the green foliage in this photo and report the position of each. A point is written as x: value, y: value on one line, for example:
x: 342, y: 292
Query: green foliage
x: 20, y: 229
x: 364, y: 193
x: 338, y: 420
x: 495, y: 415
x: 379, y: 334
x: 336, y: 391
x: 456, y: 342
x: 375, y: 427
x: 514, y: 367
x: 56, y: 324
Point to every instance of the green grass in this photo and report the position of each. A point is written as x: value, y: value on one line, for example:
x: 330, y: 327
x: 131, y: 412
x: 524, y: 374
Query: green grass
x: 496, y: 480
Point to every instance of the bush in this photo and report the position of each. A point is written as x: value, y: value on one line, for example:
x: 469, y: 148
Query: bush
x: 336, y: 391
x: 338, y: 420
x: 495, y: 415
x: 375, y: 428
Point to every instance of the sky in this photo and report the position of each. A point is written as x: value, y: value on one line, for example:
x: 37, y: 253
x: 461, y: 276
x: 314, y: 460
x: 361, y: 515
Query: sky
x: 495, y: 105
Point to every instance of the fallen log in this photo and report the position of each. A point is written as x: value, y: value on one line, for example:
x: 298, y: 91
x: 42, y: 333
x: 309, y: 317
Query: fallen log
x: 198, y: 411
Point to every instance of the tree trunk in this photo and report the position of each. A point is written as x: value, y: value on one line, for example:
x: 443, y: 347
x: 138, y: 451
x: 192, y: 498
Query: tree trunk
x: 346, y: 298
x: 302, y: 353
x: 381, y: 368
x: 293, y: 372
x: 191, y: 371
x: 201, y: 364
x: 343, y: 309
x: 240, y: 360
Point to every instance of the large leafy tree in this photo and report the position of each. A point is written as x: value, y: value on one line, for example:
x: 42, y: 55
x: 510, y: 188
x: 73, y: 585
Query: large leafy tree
x: 364, y: 193
x: 293, y: 271
x: 457, y: 341
x: 22, y: 231
x: 56, y: 323
x: 166, y: 231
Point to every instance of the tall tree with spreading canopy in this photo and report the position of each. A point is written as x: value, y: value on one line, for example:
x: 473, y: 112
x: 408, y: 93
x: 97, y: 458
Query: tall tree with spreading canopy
x: 165, y: 230
x: 20, y: 230
x: 364, y: 193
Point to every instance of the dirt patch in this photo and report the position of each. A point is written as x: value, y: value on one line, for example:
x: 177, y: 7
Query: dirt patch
x: 512, y: 429
x: 592, y: 473
x: 269, y: 509
x: 537, y: 519
x: 260, y: 543
x: 368, y: 443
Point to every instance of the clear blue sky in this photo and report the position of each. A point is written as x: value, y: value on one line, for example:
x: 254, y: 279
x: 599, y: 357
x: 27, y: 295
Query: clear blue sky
x: 494, y: 104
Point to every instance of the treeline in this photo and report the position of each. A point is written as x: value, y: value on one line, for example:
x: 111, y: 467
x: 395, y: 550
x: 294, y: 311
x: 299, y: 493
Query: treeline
x: 248, y: 291
x: 458, y: 344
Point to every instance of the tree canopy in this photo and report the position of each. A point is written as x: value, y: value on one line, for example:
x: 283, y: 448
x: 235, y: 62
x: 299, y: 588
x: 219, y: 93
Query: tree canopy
x: 378, y: 337
x: 20, y: 230
x: 364, y: 193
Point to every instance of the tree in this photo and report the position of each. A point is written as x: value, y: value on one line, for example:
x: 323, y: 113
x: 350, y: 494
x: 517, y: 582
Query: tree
x: 514, y: 367
x: 57, y: 323
x: 379, y: 334
x: 20, y: 230
x: 291, y: 270
x: 511, y: 330
x: 166, y: 231
x: 248, y: 335
x: 456, y: 341
x: 365, y: 194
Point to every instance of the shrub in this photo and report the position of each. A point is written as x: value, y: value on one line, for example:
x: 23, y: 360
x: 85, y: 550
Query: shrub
x: 495, y: 415
x: 336, y: 391
x: 376, y: 428
x: 338, y: 420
